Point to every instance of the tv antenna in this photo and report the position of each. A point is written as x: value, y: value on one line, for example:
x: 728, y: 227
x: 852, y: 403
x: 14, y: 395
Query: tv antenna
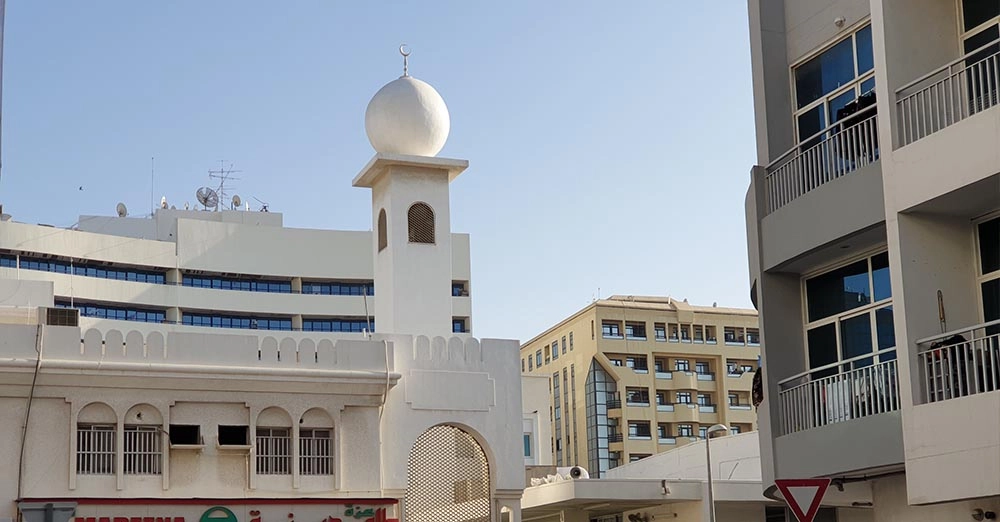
x: 263, y: 205
x: 224, y: 174
x: 208, y: 197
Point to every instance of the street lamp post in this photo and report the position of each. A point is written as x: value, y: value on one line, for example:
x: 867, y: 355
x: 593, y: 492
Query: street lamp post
x: 708, y: 458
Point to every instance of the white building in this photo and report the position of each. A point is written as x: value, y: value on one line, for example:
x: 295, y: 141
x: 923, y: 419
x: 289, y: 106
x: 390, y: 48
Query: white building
x: 673, y: 485
x: 223, y: 367
x: 873, y: 224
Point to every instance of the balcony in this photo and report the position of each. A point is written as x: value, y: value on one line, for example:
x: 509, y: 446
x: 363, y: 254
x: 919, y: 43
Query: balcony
x: 666, y: 440
x: 947, y: 95
x: 961, y: 363
x: 854, y: 394
x: 706, y: 376
x: 664, y: 407
x: 615, y: 437
x: 706, y: 408
x: 831, y: 153
x: 664, y: 375
x: 614, y: 404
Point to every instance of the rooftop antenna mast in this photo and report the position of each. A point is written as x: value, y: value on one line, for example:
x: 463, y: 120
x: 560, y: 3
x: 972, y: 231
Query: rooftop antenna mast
x: 224, y: 174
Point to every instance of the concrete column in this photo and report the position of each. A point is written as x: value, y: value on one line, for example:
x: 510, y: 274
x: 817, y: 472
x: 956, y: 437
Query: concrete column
x: 297, y: 322
x: 173, y: 315
x: 296, y: 285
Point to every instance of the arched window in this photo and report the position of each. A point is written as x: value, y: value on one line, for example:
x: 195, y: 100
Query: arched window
x: 421, y: 223
x: 383, y: 240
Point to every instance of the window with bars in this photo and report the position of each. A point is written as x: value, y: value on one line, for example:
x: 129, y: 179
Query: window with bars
x: 315, y: 452
x: 274, y: 451
x: 95, y: 449
x: 420, y: 220
x: 143, y: 450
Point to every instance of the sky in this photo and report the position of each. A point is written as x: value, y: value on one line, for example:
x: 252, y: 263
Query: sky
x: 609, y: 143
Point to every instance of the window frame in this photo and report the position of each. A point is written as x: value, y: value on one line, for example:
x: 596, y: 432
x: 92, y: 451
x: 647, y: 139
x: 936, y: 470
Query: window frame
x: 981, y: 277
x: 837, y: 318
x: 824, y: 99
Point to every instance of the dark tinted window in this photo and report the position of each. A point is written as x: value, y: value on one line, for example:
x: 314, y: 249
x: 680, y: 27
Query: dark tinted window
x: 975, y: 12
x: 838, y: 291
x: 233, y: 435
x: 866, y: 61
x: 823, y: 349
x: 880, y: 276
x: 989, y: 245
x: 824, y: 73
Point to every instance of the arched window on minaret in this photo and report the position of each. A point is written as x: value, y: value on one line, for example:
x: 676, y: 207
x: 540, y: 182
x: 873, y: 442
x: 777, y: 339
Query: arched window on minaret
x: 383, y: 240
x: 421, y: 223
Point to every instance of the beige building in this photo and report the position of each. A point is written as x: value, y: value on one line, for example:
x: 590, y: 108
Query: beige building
x: 873, y: 220
x: 632, y: 376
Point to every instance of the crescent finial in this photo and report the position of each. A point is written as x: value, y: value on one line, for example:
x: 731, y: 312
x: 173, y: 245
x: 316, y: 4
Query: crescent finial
x: 405, y: 51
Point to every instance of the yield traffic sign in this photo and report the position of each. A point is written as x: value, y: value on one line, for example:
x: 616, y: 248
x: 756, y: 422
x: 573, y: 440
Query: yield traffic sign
x: 803, y: 496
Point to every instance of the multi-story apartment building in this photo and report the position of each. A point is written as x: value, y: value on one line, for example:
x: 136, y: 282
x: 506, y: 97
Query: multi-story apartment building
x: 633, y: 376
x: 227, y: 269
x: 873, y: 225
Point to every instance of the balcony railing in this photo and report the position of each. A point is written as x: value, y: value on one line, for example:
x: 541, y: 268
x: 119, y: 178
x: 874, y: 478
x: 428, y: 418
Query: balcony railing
x: 807, y: 402
x: 961, y: 363
x: 839, y: 149
x: 614, y: 437
x: 948, y: 95
x: 614, y: 404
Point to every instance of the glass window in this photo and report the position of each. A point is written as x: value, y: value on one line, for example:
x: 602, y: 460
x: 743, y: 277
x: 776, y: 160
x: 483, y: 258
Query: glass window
x: 555, y: 350
x: 856, y: 339
x: 837, y: 291
x: 538, y: 358
x: 978, y: 12
x: 866, y: 59
x: 701, y: 367
x: 527, y: 445
x: 989, y: 246
x: 683, y: 397
x: 735, y: 430
x: 685, y: 430
x: 564, y: 345
x: 611, y: 329
x: 571, y: 341
x: 682, y: 365
x: 823, y: 348
x: 703, y: 431
x: 824, y: 73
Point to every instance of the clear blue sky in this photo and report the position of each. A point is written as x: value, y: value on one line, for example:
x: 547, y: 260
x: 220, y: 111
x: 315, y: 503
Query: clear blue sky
x: 609, y: 143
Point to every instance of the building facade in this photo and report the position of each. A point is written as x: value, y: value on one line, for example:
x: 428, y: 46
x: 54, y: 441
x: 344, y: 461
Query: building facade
x: 873, y: 223
x: 214, y: 366
x: 633, y: 376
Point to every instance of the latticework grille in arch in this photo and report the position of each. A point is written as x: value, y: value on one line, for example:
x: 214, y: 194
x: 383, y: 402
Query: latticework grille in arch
x: 420, y: 219
x: 448, y: 478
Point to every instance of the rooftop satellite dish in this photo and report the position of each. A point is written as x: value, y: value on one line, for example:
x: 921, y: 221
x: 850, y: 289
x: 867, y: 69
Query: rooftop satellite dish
x: 237, y: 201
x: 208, y: 197
x: 122, y: 210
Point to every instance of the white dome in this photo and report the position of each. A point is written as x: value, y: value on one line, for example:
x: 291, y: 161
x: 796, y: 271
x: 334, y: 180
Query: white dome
x: 407, y: 116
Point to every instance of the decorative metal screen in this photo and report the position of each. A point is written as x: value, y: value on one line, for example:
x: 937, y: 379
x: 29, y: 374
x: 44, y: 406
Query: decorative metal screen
x: 383, y: 238
x: 143, y: 452
x: 448, y: 478
x: 420, y: 219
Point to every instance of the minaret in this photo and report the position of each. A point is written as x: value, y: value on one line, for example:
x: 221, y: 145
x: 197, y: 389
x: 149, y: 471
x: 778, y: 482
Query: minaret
x: 407, y: 123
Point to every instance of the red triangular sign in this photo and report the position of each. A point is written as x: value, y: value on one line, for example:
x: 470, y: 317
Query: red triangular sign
x: 803, y: 496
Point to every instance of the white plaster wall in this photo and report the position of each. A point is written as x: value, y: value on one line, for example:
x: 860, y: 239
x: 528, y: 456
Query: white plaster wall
x: 472, y: 384
x: 535, y: 400
x: 734, y: 457
x: 891, y: 505
x: 413, y: 280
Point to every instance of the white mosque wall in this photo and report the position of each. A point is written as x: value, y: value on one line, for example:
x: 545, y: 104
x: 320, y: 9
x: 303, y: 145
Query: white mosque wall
x: 469, y: 383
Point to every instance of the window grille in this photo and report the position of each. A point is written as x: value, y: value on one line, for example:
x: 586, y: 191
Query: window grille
x: 421, y: 223
x: 95, y: 449
x: 315, y: 457
x: 143, y: 450
x: 274, y: 451
x: 383, y: 239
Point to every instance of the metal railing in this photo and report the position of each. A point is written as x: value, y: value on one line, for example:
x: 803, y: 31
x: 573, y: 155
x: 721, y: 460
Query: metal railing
x: 947, y: 95
x: 839, y: 149
x: 143, y: 452
x: 95, y: 449
x: 857, y: 391
x: 615, y: 437
x: 315, y: 454
x: 614, y: 404
x: 274, y: 451
x: 961, y: 363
